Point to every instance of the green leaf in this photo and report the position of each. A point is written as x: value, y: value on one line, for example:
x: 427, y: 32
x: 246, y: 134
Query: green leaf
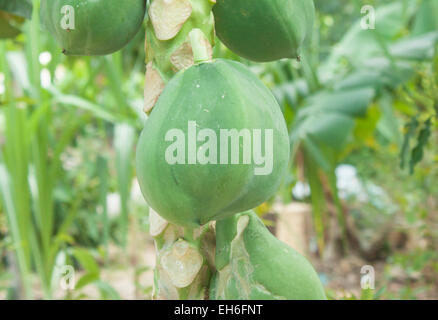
x: 316, y: 153
x: 318, y: 201
x: 86, y: 260
x: 124, y: 141
x: 361, y: 79
x: 291, y: 93
x: 328, y: 117
x: 410, y: 129
x: 84, y: 104
x: 351, y: 103
x: 388, y: 125
x: 102, y: 167
x: 423, y: 139
x: 359, y: 44
x: 377, y: 72
x: 331, y: 130
x: 425, y: 19
x: 86, y: 279
x: 417, y: 48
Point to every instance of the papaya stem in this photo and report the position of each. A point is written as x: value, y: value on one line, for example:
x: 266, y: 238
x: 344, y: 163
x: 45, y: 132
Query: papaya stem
x: 168, y: 44
x: 179, y: 33
x: 199, y: 46
x: 184, y: 263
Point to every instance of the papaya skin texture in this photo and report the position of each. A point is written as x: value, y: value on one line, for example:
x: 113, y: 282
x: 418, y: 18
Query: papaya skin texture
x: 218, y: 95
x: 252, y: 264
x: 264, y: 30
x: 101, y: 27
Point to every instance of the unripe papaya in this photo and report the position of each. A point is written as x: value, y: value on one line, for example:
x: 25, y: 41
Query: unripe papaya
x: 92, y: 27
x: 214, y: 145
x: 264, y: 30
x: 254, y: 265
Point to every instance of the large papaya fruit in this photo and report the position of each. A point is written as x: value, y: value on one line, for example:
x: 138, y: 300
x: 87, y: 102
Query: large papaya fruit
x: 92, y: 27
x: 254, y: 265
x: 264, y: 30
x: 215, y: 144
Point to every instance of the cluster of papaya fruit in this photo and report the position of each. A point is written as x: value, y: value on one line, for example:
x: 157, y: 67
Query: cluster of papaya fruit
x: 216, y: 143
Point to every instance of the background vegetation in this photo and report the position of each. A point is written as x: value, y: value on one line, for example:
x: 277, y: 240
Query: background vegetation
x: 361, y: 107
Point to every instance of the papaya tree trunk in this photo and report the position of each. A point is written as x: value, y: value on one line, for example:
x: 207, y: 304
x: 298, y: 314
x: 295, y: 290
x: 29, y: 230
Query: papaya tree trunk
x: 169, y: 44
x: 184, y: 260
x: 179, y: 33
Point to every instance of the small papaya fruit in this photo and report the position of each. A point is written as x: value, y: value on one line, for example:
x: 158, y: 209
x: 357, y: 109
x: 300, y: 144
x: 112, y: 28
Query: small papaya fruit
x: 254, y: 265
x: 215, y: 144
x: 264, y: 30
x: 92, y: 27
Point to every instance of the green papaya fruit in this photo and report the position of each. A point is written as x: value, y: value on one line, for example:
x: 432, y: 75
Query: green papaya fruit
x: 254, y: 265
x: 92, y: 27
x: 214, y: 145
x: 264, y: 30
